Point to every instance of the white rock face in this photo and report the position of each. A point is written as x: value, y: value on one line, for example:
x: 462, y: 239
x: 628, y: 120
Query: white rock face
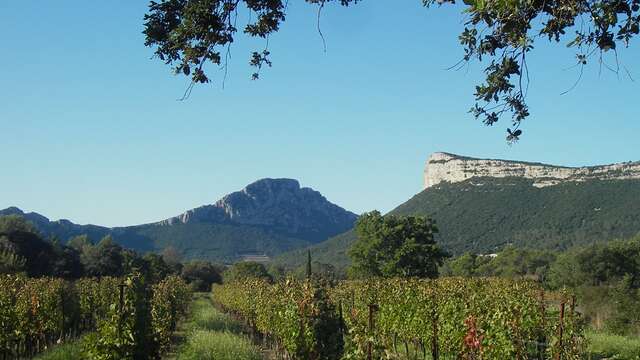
x: 445, y: 167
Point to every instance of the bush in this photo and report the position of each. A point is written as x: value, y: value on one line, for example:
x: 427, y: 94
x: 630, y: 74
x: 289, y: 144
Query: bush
x: 247, y: 270
x: 201, y: 274
x: 610, y: 346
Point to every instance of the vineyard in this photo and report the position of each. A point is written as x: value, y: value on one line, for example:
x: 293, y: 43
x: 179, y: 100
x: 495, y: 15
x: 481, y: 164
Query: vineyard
x: 123, y: 317
x: 408, y: 319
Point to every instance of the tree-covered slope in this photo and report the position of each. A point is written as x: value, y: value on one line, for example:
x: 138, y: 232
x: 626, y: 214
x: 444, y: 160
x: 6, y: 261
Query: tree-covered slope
x: 482, y: 215
x: 217, y: 242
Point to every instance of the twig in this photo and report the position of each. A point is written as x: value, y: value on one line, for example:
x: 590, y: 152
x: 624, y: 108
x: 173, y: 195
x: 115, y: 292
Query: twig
x: 324, y: 43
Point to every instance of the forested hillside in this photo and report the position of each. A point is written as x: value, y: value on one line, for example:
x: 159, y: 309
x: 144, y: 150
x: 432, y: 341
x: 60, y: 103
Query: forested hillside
x: 483, y: 215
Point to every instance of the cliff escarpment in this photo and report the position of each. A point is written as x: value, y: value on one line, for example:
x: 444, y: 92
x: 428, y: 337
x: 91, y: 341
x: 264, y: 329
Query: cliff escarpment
x: 445, y: 167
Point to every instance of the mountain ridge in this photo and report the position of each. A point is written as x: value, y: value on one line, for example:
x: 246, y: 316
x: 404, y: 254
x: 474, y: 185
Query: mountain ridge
x: 267, y: 216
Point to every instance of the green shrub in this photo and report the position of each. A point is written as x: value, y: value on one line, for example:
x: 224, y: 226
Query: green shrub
x: 609, y: 346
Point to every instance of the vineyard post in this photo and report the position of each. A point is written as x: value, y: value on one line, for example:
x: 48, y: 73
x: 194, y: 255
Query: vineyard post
x: 572, y: 316
x: 341, y: 318
x: 573, y: 305
x: 372, y: 308
x: 308, y: 264
x: 560, y: 330
x: 353, y: 299
x: 88, y: 323
x: 121, y: 286
x: 542, y: 340
x: 62, y: 333
x: 434, y: 338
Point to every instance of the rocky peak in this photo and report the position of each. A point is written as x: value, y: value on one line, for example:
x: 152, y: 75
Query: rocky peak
x: 446, y: 167
x: 261, y: 195
x: 280, y: 204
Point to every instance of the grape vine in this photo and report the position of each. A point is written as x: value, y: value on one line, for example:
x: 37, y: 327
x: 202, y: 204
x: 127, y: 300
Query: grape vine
x: 125, y: 317
x: 424, y: 319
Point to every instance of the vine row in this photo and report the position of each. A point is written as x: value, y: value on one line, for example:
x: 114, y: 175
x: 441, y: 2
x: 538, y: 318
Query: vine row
x: 449, y: 318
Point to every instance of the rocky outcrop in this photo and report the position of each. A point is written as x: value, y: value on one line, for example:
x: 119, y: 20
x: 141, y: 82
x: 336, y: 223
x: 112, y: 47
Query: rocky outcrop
x: 280, y: 204
x: 445, y: 167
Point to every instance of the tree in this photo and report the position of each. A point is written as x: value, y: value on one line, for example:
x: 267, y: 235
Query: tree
x: 14, y: 223
x: 104, y: 259
x: 10, y: 262
x: 66, y: 263
x: 395, y: 246
x: 514, y: 262
x: 186, y: 34
x: 318, y: 269
x: 27, y: 248
x: 598, y: 264
x: 465, y: 265
x: 80, y: 242
x: 201, y: 275
x: 171, y: 256
x: 247, y: 270
x: 155, y: 268
x: 277, y: 272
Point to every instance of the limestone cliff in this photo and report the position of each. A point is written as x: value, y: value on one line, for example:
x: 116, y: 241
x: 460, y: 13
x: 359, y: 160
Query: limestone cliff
x: 445, y: 167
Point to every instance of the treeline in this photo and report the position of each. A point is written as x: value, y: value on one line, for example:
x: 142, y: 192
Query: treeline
x: 24, y: 251
x: 605, y: 276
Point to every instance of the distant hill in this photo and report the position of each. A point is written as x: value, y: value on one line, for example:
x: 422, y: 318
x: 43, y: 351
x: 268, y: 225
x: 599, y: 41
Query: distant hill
x: 61, y: 229
x: 268, y: 217
x: 483, y: 214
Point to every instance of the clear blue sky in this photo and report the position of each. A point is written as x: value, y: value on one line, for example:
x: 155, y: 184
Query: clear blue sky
x: 91, y: 129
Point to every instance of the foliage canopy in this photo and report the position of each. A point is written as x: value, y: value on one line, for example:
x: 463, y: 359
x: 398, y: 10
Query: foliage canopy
x: 187, y: 34
x: 395, y: 246
x: 247, y: 270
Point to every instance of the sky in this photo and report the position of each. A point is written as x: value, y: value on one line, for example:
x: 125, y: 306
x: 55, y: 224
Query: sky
x: 92, y: 130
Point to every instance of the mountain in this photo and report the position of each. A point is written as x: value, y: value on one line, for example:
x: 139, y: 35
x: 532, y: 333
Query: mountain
x: 483, y: 205
x: 62, y: 229
x: 268, y: 216
x: 278, y: 204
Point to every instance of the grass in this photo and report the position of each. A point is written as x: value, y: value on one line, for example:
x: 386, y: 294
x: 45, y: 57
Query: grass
x: 218, y: 345
x: 66, y: 351
x: 206, y: 317
x: 211, y: 334
x: 609, y: 346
